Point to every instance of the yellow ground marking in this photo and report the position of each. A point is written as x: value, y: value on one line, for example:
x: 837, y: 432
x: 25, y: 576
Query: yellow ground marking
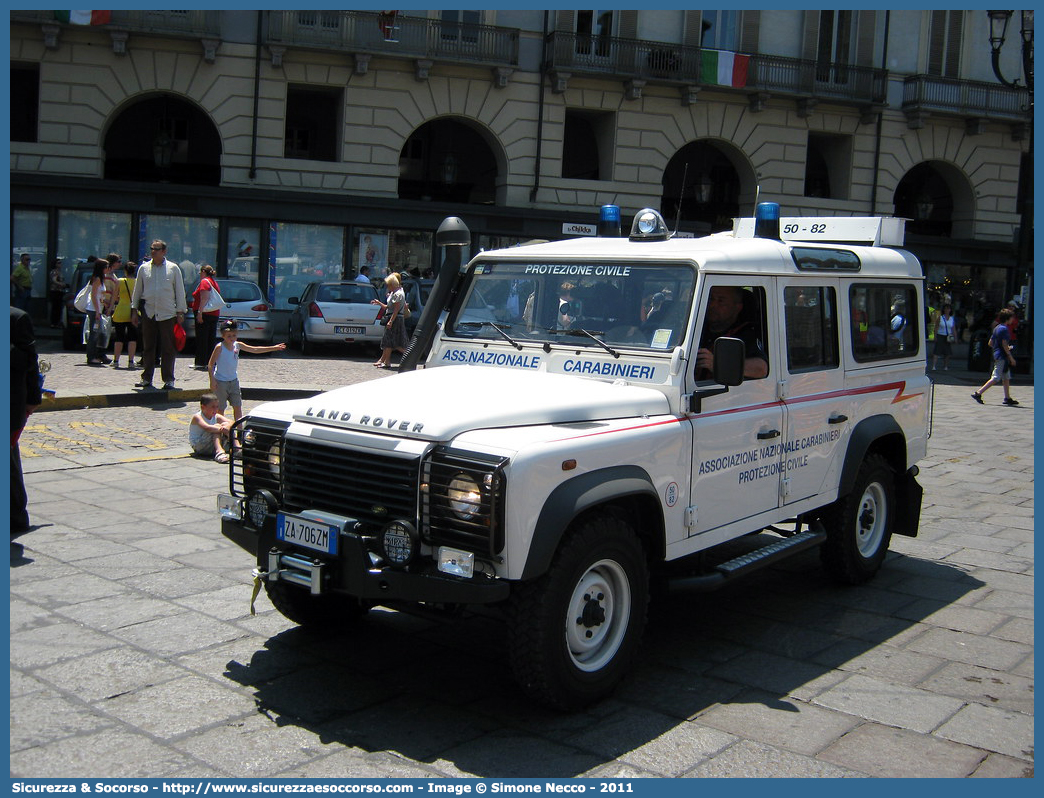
x: 43, y: 429
x: 180, y: 418
x: 152, y: 443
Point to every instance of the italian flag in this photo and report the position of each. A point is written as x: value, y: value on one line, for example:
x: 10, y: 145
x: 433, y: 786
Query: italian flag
x: 724, y: 68
x: 84, y: 17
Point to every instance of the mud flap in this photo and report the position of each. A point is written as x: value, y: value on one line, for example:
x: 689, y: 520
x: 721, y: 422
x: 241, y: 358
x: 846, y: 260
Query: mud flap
x: 908, y: 496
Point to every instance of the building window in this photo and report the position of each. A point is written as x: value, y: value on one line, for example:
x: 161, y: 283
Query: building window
x: 312, y: 123
x: 25, y: 101
x: 588, y: 145
x: 720, y: 30
x: 594, y: 30
x: 834, y: 51
x: 461, y: 25
x: 828, y: 160
x: 944, y: 43
x: 303, y: 254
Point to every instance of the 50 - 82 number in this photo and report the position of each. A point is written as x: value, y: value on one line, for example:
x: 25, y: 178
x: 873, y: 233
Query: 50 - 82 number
x: 795, y: 228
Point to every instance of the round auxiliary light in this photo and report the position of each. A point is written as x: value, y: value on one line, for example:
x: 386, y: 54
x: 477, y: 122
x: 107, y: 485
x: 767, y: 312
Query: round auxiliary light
x: 464, y: 496
x: 249, y: 437
x: 261, y: 503
x: 398, y: 541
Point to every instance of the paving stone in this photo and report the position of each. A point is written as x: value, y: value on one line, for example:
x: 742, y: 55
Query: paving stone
x: 1001, y: 730
x: 998, y: 766
x: 107, y: 753
x: 48, y: 716
x: 793, y: 725
x: 891, y: 753
x: 983, y: 686
x: 754, y: 760
x: 889, y: 703
x: 969, y: 648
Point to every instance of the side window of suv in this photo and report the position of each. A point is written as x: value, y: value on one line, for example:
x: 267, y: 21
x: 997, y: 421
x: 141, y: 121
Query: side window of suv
x: 884, y: 321
x: 735, y: 311
x: 810, y: 315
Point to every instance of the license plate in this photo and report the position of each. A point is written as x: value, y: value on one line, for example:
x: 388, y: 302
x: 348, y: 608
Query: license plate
x: 349, y: 330
x: 306, y: 532
x: 242, y: 325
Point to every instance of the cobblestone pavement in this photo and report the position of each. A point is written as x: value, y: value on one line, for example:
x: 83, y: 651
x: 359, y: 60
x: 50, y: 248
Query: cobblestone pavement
x: 133, y: 651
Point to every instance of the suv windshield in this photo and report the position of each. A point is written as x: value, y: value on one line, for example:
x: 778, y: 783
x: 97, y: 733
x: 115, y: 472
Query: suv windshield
x: 632, y: 305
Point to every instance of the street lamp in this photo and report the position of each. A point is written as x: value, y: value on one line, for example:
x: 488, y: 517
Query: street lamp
x: 998, y: 33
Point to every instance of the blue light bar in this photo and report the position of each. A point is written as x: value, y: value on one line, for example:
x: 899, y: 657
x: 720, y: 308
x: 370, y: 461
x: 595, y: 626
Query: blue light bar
x: 766, y: 220
x: 609, y: 221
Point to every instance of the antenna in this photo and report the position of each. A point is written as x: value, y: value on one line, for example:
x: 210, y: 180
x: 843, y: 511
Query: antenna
x: 681, y: 196
x: 757, y: 197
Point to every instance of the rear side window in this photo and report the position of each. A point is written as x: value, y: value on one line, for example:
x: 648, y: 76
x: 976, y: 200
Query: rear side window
x: 884, y: 321
x: 811, y: 328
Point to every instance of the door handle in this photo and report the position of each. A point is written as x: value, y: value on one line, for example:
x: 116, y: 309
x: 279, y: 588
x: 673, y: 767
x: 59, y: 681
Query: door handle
x: 764, y: 436
x: 838, y: 419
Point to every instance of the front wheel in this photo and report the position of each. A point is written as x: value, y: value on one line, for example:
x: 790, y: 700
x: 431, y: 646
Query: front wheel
x: 575, y: 631
x: 859, y: 525
x: 307, y: 347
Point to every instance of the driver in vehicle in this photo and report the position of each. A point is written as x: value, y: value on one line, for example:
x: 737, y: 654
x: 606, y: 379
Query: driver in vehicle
x: 725, y: 320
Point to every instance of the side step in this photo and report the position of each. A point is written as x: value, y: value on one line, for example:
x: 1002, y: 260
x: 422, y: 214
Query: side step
x: 750, y: 562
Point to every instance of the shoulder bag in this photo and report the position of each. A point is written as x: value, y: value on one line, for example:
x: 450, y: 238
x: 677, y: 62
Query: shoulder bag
x: 214, y: 301
x: 80, y: 302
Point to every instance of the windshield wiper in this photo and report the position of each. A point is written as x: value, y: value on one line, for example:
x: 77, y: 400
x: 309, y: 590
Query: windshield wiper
x: 496, y: 327
x: 585, y: 334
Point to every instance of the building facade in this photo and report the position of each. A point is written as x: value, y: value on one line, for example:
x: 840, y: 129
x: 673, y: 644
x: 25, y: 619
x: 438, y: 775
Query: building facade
x: 282, y: 146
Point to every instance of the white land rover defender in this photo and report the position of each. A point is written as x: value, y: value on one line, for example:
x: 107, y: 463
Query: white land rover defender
x: 590, y: 412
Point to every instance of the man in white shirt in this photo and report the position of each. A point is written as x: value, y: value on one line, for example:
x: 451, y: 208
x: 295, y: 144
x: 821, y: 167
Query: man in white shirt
x: 161, y: 288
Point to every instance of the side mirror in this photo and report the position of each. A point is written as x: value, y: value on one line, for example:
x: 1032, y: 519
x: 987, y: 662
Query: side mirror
x: 729, y: 357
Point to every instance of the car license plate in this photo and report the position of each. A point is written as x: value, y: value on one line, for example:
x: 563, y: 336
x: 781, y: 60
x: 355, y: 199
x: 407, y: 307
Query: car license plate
x: 242, y: 325
x: 306, y: 532
x: 349, y: 330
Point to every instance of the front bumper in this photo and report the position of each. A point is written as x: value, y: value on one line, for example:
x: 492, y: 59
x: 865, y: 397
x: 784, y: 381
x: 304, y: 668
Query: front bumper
x: 353, y: 573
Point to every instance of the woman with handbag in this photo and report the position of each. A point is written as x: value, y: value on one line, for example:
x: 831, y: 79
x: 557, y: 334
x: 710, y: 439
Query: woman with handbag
x: 96, y: 309
x: 393, y: 319
x: 945, y: 335
x: 206, y: 302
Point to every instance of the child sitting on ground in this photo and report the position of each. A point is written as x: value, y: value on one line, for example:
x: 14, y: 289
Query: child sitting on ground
x: 207, y: 429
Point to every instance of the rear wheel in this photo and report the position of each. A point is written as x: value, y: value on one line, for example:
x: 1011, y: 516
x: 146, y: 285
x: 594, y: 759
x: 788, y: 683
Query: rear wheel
x: 575, y: 631
x: 304, y: 609
x: 859, y: 525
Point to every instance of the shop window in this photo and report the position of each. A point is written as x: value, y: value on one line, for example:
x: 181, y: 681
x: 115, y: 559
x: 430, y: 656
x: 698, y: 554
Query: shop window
x: 587, y: 148
x: 191, y: 242
x: 811, y: 328
x: 25, y: 101
x: 29, y: 235
x: 828, y: 162
x: 406, y: 252
x: 312, y: 123
x: 885, y: 321
x: 84, y: 233
x: 303, y: 254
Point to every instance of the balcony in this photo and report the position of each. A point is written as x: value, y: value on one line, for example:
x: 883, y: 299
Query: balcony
x: 638, y: 62
x: 202, y: 25
x: 974, y: 101
x: 365, y: 34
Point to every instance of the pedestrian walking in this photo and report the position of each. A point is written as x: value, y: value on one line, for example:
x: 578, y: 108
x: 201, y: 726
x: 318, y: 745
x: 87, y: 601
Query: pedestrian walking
x: 392, y: 310
x: 224, y: 368
x: 208, y: 429
x: 96, y: 311
x: 25, y: 398
x: 1003, y: 359
x: 22, y: 282
x: 945, y: 335
x: 158, y: 303
x: 206, y: 320
x: 125, y: 332
x: 56, y: 287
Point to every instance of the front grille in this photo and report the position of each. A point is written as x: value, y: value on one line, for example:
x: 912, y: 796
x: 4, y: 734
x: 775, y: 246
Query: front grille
x: 371, y: 487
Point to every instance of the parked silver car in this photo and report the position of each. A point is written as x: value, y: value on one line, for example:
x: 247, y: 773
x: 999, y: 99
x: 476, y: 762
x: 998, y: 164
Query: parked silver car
x: 247, y: 306
x: 332, y: 313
